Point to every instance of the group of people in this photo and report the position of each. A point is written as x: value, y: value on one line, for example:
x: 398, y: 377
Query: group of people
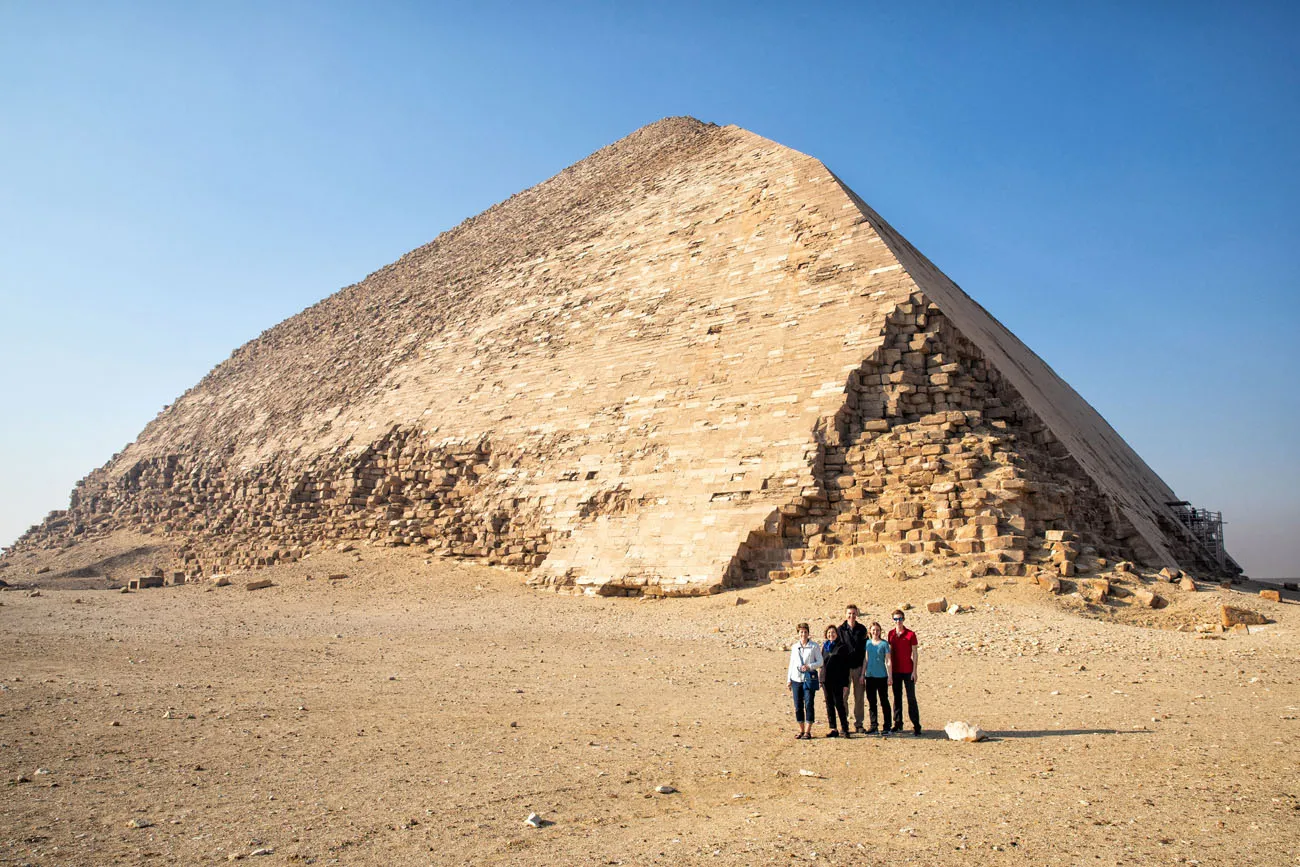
x: 854, y: 656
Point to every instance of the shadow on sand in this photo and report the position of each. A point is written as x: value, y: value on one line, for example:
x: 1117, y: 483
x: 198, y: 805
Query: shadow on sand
x: 1054, y: 733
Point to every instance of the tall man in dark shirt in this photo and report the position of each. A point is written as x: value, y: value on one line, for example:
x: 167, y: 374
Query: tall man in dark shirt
x: 905, y: 654
x: 854, y: 635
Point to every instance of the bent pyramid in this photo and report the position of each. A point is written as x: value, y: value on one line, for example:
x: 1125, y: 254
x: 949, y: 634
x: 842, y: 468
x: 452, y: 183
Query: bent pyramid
x: 692, y: 359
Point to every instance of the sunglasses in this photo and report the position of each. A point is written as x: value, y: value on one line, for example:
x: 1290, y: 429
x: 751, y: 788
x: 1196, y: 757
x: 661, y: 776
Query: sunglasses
x: 898, y: 620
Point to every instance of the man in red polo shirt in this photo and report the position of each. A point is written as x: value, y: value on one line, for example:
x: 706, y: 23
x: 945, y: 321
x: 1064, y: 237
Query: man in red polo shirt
x: 904, y: 653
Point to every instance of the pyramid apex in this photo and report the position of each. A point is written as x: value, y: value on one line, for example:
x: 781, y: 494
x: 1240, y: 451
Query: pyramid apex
x: 678, y: 121
x: 666, y: 130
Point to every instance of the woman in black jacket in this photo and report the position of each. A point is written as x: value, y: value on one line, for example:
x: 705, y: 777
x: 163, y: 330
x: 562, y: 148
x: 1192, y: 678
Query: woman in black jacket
x: 835, y: 678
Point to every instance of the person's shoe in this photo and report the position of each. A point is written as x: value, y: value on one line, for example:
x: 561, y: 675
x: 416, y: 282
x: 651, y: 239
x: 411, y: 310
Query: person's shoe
x: 846, y: 734
x: 832, y: 734
x: 859, y: 729
x: 916, y: 732
x: 884, y: 733
x: 871, y: 731
x: 898, y: 728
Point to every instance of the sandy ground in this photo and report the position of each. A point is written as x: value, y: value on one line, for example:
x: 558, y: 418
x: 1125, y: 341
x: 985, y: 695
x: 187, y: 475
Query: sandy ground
x: 416, y: 713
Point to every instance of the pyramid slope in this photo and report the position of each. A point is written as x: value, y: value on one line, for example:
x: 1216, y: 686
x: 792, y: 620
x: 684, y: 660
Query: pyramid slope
x: 309, y: 383
x: 638, y: 376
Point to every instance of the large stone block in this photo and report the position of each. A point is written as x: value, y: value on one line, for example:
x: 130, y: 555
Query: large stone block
x: 1231, y: 615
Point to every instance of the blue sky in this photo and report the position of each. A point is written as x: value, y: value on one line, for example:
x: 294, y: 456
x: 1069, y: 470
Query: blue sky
x: 1116, y: 184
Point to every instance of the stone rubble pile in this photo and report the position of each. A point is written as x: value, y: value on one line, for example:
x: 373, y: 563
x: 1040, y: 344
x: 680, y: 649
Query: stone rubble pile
x: 935, y: 453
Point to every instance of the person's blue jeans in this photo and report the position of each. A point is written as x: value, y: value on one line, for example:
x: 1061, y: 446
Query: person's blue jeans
x: 805, y: 702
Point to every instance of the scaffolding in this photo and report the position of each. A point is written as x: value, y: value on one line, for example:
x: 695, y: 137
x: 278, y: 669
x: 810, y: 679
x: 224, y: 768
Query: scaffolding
x: 1206, y: 527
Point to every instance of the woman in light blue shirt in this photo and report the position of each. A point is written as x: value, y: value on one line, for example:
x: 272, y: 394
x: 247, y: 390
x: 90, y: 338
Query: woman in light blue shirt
x: 877, y: 675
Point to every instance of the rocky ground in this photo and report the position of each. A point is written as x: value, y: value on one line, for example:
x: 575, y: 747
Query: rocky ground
x: 416, y: 712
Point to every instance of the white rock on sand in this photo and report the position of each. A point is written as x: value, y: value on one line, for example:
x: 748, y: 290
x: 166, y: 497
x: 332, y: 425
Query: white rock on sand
x: 963, y: 731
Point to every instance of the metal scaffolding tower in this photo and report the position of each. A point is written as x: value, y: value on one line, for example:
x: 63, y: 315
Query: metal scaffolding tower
x: 1205, y: 526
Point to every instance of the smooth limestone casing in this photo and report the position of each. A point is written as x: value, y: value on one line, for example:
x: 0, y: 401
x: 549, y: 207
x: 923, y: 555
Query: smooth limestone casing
x: 616, y: 378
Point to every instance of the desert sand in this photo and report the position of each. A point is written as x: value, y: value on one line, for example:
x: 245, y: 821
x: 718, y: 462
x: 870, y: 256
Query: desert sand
x: 416, y: 711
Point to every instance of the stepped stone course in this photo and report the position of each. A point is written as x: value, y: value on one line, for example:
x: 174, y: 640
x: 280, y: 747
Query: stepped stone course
x: 693, y: 359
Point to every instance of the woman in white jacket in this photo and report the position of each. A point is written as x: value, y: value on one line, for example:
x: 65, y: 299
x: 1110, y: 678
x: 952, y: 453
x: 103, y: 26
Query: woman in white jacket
x: 805, y: 660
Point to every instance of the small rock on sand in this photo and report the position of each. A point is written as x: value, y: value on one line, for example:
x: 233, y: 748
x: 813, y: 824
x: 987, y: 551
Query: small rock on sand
x: 1149, y: 598
x: 1095, y: 590
x: 964, y: 731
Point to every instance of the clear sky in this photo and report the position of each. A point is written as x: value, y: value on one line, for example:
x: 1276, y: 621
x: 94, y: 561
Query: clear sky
x: 1119, y: 183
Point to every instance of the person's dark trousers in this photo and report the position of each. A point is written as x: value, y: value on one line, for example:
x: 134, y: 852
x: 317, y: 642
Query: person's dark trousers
x: 835, y: 705
x: 878, y: 688
x: 805, y: 702
x: 915, y: 715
